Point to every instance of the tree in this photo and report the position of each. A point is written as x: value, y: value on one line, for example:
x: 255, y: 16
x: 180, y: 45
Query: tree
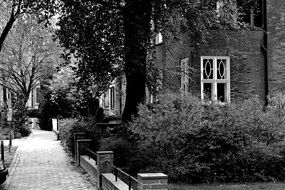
x: 195, y: 17
x: 63, y: 92
x: 29, y: 55
x: 93, y: 37
x: 11, y: 10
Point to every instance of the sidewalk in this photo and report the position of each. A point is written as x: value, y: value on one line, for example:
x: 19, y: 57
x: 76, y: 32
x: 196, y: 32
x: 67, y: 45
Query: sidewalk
x: 41, y: 163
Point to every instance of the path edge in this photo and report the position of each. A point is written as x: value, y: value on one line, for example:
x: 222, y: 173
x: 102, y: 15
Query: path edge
x: 12, y: 168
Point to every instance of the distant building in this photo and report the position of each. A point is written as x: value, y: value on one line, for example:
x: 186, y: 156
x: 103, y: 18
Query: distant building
x: 34, y: 98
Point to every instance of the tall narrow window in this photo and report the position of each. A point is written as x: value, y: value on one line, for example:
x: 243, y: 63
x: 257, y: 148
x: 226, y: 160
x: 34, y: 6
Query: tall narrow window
x: 158, y: 38
x: 215, y: 78
x: 184, y: 85
x: 38, y: 95
x: 112, y: 98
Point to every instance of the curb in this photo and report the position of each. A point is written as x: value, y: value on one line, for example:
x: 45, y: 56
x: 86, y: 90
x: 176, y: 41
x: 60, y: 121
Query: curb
x: 12, y: 168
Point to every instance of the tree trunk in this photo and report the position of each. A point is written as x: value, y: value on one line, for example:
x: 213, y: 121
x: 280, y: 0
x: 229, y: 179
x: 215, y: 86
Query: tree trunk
x: 137, y: 16
x: 7, y: 29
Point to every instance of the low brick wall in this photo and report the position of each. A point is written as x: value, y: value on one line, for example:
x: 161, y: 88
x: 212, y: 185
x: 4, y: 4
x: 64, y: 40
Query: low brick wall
x: 88, y: 164
x: 108, y: 179
x: 101, y: 172
x: 109, y: 183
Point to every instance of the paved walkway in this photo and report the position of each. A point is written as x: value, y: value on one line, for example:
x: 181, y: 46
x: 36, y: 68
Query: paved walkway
x: 41, y: 163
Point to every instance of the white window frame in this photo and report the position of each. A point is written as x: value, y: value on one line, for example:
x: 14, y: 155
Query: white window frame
x: 215, y: 81
x: 158, y: 38
x: 184, y: 84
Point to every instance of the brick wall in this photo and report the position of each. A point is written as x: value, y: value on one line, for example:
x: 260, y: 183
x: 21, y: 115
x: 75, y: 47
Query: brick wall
x: 169, y: 56
x: 246, y: 57
x: 276, y: 44
x: 88, y: 164
x: 246, y: 61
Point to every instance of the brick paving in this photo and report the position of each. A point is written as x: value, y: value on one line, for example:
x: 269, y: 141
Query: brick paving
x: 41, y: 163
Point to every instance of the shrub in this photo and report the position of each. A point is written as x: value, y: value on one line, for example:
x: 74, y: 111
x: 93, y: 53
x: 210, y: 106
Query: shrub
x: 121, y: 147
x: 195, y: 142
x: 67, y: 127
x: 24, y: 130
x: 33, y: 113
x: 20, y: 119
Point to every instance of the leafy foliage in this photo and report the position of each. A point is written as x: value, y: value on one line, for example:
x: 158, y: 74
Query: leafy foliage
x: 193, y: 142
x: 67, y: 127
x: 104, y: 34
x: 11, y: 10
x: 28, y: 56
x: 92, y: 34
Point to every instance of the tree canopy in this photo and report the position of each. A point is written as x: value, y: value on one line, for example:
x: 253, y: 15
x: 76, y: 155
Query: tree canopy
x: 93, y: 35
x: 103, y: 34
x: 11, y: 10
x: 29, y: 54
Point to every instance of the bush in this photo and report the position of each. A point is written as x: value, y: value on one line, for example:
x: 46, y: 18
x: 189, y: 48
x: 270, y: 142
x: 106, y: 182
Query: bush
x: 195, y: 142
x: 20, y: 119
x: 24, y: 130
x: 67, y: 127
x: 33, y: 113
x: 122, y: 150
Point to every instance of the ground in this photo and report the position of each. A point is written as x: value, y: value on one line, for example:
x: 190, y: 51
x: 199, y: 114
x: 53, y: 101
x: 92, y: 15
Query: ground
x: 9, y: 155
x: 255, y: 186
x: 41, y: 163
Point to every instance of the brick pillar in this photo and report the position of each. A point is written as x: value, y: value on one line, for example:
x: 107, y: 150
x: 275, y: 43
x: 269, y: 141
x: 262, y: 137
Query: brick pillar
x: 104, y: 161
x: 76, y: 136
x: 79, y: 144
x: 149, y: 181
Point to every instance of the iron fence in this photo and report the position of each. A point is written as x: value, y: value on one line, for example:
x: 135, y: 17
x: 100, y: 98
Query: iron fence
x: 90, y: 154
x: 125, y: 177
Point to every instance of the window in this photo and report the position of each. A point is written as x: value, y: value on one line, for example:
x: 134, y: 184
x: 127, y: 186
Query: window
x: 215, y: 78
x: 184, y: 85
x: 112, y: 97
x: 158, y: 38
x: 105, y: 101
x: 38, y: 95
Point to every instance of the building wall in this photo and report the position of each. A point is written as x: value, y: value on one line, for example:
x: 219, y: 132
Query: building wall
x: 33, y: 101
x: 246, y: 64
x: 169, y: 56
x: 276, y: 45
x: 246, y: 61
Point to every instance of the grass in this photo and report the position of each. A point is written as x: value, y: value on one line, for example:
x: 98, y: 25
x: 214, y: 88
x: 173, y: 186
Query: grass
x: 8, y: 156
x: 253, y: 186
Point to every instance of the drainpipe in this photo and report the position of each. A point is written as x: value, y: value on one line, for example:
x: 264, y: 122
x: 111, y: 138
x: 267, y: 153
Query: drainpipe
x: 265, y: 50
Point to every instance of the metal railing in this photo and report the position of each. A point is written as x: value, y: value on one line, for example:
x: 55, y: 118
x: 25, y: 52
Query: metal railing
x: 90, y: 153
x: 125, y: 177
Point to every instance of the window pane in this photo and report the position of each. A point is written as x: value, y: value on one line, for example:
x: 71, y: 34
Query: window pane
x: 208, y: 65
x: 221, y: 69
x: 207, y: 91
x: 38, y: 95
x: 221, y: 92
x: 112, y: 98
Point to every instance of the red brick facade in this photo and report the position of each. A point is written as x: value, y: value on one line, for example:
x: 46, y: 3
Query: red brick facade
x: 276, y: 45
x: 254, y: 70
x: 246, y: 61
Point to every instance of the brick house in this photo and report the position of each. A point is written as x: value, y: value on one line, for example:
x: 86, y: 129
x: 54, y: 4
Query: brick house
x: 231, y: 65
